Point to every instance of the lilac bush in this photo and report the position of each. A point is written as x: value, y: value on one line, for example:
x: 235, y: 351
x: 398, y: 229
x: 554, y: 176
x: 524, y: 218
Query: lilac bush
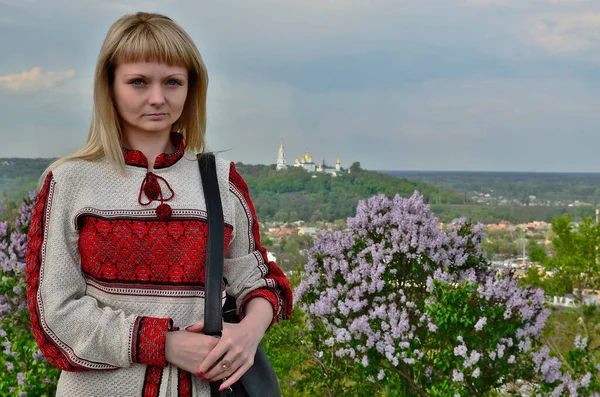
x: 579, y: 378
x: 419, y: 306
x: 24, y: 370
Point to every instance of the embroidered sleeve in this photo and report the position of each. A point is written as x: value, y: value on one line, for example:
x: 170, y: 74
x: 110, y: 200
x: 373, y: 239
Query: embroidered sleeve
x: 70, y: 328
x: 247, y: 269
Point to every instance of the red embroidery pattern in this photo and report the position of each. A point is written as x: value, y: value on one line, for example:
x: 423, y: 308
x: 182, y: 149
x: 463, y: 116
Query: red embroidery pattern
x: 152, y: 381
x: 53, y: 353
x: 148, y: 346
x: 184, y: 386
x: 163, y: 160
x: 135, y: 158
x: 155, y: 253
x: 275, y: 273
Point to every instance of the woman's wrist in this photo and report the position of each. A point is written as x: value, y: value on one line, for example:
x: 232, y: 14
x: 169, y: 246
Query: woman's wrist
x: 259, y: 315
x: 169, y: 341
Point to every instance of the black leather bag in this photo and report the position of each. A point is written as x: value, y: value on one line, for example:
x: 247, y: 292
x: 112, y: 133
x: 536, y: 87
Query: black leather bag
x: 260, y: 379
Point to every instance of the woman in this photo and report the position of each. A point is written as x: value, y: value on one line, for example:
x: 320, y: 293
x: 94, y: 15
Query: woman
x: 117, y: 244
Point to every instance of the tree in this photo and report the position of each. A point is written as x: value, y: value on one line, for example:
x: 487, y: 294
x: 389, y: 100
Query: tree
x: 316, y: 216
x: 422, y: 312
x: 294, y: 216
x: 537, y: 252
x: 355, y: 167
x: 281, y: 216
x: 576, y: 256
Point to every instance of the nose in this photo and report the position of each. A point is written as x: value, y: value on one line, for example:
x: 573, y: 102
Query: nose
x: 157, y: 98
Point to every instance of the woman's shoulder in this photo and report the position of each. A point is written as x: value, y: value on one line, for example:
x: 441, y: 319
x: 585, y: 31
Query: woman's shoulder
x: 77, y: 170
x: 223, y: 165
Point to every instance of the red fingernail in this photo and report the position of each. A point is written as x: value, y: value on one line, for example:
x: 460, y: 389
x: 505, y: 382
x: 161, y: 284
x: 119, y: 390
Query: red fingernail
x: 199, y: 373
x: 222, y: 388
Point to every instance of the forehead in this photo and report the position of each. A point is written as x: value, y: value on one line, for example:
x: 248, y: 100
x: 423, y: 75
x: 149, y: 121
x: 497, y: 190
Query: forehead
x: 149, y: 68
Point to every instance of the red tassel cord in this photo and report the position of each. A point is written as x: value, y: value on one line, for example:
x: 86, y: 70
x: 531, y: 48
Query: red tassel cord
x: 152, y: 190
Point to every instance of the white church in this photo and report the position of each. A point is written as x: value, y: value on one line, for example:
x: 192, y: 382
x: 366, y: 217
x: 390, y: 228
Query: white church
x: 306, y: 162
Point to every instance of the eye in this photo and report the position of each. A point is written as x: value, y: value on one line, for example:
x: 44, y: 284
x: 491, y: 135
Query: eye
x: 174, y: 82
x: 137, y: 82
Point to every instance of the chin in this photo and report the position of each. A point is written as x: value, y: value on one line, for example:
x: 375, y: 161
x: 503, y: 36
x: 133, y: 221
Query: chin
x: 156, y: 126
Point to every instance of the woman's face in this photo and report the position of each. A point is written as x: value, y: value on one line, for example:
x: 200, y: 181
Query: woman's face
x: 149, y: 96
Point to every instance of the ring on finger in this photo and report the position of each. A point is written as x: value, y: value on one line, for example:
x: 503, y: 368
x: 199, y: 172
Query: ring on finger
x: 225, y: 364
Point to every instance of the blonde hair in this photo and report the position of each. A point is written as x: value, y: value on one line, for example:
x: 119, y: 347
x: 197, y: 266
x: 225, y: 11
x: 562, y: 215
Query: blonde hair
x: 142, y: 37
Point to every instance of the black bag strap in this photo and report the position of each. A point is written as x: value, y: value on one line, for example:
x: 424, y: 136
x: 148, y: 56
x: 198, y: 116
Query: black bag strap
x: 263, y: 380
x: 213, y: 316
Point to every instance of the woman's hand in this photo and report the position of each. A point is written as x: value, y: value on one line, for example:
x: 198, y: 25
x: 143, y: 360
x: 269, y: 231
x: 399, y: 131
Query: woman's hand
x: 234, y: 353
x: 188, y: 350
x: 235, y: 350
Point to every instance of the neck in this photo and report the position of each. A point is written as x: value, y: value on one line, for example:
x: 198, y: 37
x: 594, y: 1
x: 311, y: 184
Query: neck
x: 150, y: 144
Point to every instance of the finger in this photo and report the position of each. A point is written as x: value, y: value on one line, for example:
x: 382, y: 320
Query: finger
x: 218, y: 372
x: 234, y: 377
x: 197, y: 327
x: 214, y: 356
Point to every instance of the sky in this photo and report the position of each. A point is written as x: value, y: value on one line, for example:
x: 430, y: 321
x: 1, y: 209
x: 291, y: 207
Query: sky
x: 487, y: 85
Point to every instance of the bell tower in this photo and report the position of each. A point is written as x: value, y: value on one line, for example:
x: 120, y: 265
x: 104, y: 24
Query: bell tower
x: 281, y: 165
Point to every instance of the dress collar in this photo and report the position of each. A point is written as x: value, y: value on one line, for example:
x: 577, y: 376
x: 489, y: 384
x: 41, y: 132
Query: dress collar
x: 163, y: 160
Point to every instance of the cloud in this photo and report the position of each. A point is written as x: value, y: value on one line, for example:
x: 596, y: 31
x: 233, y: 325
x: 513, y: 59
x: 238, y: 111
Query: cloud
x: 34, y: 80
x: 566, y: 33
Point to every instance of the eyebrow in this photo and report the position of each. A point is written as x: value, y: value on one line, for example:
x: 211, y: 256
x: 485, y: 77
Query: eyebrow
x: 144, y: 76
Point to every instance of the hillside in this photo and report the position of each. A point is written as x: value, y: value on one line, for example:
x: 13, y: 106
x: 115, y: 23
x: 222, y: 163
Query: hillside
x: 19, y: 176
x: 294, y: 194
x: 287, y: 195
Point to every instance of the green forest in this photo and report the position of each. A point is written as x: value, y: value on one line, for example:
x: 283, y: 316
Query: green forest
x: 18, y: 176
x: 294, y: 194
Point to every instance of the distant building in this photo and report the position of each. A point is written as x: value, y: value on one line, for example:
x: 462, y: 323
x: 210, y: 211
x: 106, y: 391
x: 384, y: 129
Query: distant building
x: 568, y: 300
x: 306, y: 162
x: 311, y: 231
x: 589, y: 296
x: 504, y: 225
x: 281, y: 165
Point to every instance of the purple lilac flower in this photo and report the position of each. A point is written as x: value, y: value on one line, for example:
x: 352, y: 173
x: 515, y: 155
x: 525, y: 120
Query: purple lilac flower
x: 9, y: 366
x: 460, y: 350
x: 457, y: 376
x: 551, y: 370
x: 480, y: 323
x: 581, y: 344
x: 21, y: 378
x: 472, y: 359
x: 38, y: 356
x: 7, y: 346
x: 360, y: 284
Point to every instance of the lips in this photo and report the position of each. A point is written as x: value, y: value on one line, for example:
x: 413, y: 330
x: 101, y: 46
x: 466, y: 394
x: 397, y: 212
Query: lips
x: 155, y: 116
